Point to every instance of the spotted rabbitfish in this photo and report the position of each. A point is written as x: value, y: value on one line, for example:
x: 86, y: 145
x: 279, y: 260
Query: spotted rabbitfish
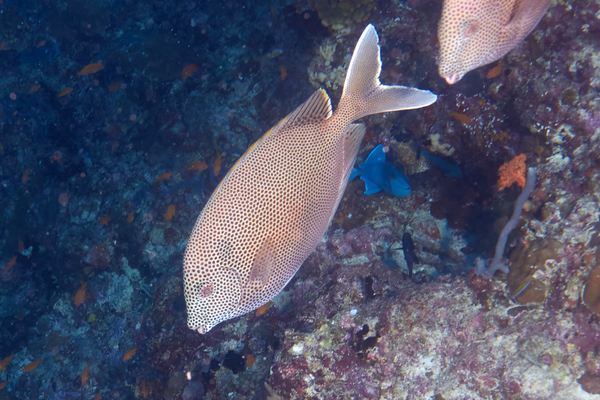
x: 473, y: 33
x: 272, y: 208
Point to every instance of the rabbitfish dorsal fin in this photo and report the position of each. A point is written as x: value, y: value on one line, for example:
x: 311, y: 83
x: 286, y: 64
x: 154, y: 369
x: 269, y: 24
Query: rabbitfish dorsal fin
x: 315, y: 109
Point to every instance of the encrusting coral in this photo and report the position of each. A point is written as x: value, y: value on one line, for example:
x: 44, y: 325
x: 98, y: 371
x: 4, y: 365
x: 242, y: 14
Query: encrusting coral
x: 512, y: 172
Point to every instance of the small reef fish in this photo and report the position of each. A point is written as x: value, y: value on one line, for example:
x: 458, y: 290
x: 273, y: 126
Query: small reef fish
x: 5, y: 361
x: 377, y: 175
x: 521, y: 288
x: 272, y: 208
x: 473, y: 33
x: 144, y: 390
x: 105, y: 220
x: 85, y: 374
x: 31, y: 366
x: 263, y: 309
x: 494, y: 72
x: 80, y: 295
x: 249, y: 360
x: 170, y: 212
x: 188, y: 71
x: 465, y: 119
x: 90, y: 69
x: 65, y: 91
x: 283, y: 73
x: 25, y: 176
x: 450, y: 168
x: 11, y: 263
x: 217, y: 164
x: 339, y: 219
x: 408, y: 247
x: 163, y: 177
x: 130, y: 354
x: 3, y: 384
x: 197, y: 166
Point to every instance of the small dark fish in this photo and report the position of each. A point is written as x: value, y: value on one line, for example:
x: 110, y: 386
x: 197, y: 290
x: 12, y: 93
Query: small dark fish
x: 408, y: 247
x: 450, y: 168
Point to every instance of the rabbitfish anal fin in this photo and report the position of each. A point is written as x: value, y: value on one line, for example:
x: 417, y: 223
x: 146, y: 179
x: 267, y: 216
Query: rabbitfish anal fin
x: 352, y: 138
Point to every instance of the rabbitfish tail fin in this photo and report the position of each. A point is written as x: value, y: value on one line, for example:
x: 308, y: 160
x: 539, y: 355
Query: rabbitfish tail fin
x: 363, y: 93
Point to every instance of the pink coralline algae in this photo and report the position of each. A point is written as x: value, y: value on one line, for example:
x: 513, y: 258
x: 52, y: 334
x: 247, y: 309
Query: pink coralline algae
x: 435, y: 340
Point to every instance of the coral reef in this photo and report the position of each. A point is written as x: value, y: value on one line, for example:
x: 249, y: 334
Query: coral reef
x: 81, y: 206
x: 338, y: 14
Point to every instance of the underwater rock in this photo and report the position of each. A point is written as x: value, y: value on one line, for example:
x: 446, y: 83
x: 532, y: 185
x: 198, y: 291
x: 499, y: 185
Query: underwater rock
x: 590, y: 382
x: 343, y: 13
x: 591, y: 292
x: 525, y: 280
